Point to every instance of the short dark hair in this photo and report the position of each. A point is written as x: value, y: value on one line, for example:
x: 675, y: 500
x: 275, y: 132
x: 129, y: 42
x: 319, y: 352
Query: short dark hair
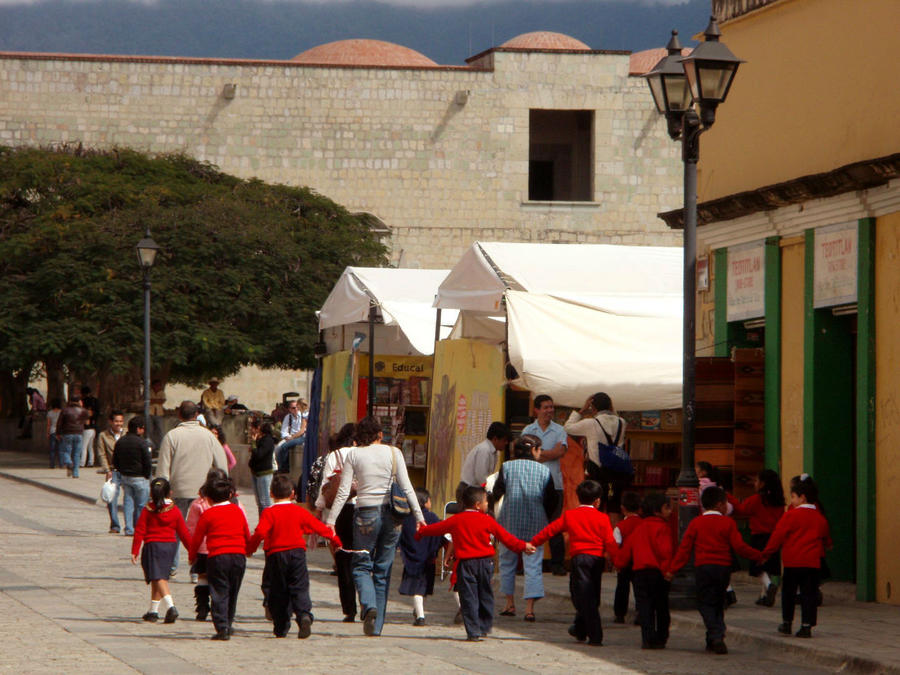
x: 220, y: 490
x: 113, y: 413
x: 712, y: 497
x: 135, y: 423
x: 498, y: 430
x: 539, y: 400
x: 281, y: 487
x: 588, y: 491
x: 422, y: 495
x: 601, y: 401
x: 653, y: 503
x: 367, y: 431
x: 85, y: 390
x: 631, y: 502
x: 187, y: 410
x: 472, y: 496
x: 808, y: 489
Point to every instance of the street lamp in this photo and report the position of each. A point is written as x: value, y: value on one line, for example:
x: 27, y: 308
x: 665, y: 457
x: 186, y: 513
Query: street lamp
x: 687, y: 90
x: 146, y: 252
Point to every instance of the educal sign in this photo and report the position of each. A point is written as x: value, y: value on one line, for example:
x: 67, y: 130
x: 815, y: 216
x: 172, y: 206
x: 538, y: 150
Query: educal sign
x: 746, y: 281
x: 834, y: 276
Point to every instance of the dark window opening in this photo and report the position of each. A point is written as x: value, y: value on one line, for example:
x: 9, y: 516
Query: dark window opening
x: 560, y: 155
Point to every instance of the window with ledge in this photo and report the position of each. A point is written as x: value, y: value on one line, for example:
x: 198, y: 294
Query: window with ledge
x: 560, y: 155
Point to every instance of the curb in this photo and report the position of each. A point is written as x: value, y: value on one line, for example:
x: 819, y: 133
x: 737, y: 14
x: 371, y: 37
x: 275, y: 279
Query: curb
x: 48, y: 488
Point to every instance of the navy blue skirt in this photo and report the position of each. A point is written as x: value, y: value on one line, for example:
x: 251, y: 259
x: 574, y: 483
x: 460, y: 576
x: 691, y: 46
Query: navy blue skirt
x: 418, y: 584
x: 156, y: 559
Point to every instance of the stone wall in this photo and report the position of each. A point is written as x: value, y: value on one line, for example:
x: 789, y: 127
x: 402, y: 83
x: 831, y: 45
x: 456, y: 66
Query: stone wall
x: 395, y: 142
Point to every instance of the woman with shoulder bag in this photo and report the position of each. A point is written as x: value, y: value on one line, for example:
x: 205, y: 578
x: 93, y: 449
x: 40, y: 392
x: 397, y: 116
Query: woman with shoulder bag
x: 376, y: 530
x: 261, y: 465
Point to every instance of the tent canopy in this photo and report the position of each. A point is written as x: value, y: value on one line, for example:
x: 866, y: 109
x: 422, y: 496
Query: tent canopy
x: 404, y: 298
x: 581, y: 318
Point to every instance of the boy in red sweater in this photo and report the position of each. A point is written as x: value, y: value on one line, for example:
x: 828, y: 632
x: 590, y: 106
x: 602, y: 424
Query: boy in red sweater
x: 649, y: 551
x: 802, y: 535
x: 225, y: 529
x: 471, y: 531
x: 712, y: 537
x: 590, y: 540
x: 631, y: 506
x: 282, y: 526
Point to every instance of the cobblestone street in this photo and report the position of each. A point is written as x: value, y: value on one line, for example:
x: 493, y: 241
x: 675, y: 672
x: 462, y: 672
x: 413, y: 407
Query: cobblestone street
x: 71, y: 601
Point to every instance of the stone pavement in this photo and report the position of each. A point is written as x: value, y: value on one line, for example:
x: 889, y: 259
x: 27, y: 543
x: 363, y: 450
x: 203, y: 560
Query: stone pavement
x: 70, y: 600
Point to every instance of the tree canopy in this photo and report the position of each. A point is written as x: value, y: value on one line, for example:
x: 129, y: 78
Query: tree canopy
x: 243, y: 265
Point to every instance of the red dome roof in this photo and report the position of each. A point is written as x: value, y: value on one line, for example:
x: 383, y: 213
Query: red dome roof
x: 643, y: 62
x: 545, y: 40
x: 363, y: 53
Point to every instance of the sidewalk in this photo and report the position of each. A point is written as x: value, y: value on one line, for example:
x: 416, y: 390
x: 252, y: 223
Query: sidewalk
x: 851, y: 636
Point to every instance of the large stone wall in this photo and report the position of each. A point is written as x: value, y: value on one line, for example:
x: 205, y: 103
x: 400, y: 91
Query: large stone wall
x: 390, y: 141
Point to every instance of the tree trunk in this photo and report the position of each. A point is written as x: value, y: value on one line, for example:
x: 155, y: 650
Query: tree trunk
x: 56, y: 379
x: 13, y: 397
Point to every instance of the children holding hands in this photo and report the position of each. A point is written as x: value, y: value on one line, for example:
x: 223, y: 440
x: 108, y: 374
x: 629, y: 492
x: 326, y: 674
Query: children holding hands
x: 471, y: 531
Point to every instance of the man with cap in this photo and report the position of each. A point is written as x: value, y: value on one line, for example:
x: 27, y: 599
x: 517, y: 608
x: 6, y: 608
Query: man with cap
x: 213, y: 401
x: 233, y: 407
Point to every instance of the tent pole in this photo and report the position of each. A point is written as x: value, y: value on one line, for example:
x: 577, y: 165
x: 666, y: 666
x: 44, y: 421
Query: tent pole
x: 371, y: 404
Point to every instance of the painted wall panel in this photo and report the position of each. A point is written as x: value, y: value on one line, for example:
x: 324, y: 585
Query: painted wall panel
x: 792, y: 271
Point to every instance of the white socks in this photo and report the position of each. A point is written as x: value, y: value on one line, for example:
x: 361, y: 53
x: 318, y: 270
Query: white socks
x: 764, y: 580
x: 165, y: 603
x: 456, y: 597
x: 419, y: 606
x: 154, y: 606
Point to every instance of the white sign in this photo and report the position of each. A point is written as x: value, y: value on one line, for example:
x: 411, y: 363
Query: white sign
x: 746, y: 281
x: 836, y: 253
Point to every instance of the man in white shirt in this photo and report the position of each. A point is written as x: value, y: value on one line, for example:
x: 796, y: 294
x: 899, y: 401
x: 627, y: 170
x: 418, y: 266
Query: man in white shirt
x: 482, y: 459
x: 293, y: 433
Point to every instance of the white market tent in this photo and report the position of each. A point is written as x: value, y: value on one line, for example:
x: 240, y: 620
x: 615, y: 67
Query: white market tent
x: 580, y: 318
x: 404, y: 298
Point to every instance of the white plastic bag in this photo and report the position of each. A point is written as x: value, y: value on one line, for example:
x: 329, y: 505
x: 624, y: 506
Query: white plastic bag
x: 108, y: 491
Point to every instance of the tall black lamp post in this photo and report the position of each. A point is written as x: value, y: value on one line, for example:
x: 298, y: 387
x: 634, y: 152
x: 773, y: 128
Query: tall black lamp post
x: 146, y: 251
x: 687, y: 90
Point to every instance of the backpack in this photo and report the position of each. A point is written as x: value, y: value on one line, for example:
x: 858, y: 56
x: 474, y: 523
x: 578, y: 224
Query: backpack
x: 611, y: 455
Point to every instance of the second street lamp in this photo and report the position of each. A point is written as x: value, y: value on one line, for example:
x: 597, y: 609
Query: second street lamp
x: 146, y: 252
x: 687, y: 90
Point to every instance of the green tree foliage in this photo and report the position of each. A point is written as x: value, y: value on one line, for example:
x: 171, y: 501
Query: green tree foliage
x: 243, y: 266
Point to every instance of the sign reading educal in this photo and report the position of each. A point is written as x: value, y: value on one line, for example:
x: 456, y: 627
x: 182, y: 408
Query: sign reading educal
x: 746, y: 281
x: 834, y: 276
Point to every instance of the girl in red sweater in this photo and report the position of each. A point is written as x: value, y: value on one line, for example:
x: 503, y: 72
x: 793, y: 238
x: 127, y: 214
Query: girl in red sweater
x: 157, y: 527
x: 763, y: 510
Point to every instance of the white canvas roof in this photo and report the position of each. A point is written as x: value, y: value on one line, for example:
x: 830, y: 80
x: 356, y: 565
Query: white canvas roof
x: 405, y: 298
x: 581, y: 318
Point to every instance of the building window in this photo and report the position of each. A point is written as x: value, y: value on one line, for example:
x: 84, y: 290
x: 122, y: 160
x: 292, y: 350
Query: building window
x: 560, y: 155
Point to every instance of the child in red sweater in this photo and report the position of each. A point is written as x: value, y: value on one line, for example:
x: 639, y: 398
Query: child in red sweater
x: 282, y: 527
x: 649, y: 551
x: 157, y: 527
x: 590, y: 540
x: 712, y: 537
x: 471, y: 531
x: 763, y: 510
x: 631, y: 520
x: 802, y: 535
x: 225, y: 529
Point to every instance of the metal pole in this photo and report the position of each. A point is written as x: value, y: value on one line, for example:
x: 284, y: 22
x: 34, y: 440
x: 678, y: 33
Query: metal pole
x: 373, y: 310
x: 146, y: 353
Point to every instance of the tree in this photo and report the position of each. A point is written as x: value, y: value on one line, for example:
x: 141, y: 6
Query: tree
x: 242, y: 269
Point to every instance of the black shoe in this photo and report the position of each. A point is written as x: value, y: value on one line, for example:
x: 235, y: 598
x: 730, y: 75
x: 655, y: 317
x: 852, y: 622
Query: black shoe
x: 805, y: 632
x: 349, y: 618
x: 730, y: 599
x: 595, y: 643
x: 559, y: 570
x: 222, y: 635
x: 304, y: 627
x: 473, y: 638
x: 114, y: 530
x: 369, y: 621
x: 718, y: 647
x: 657, y: 645
x: 771, y: 592
x: 637, y: 621
x: 171, y: 615
x: 152, y: 617
x: 619, y: 619
x: 419, y: 621
x: 201, y: 598
x: 785, y: 629
x: 573, y: 631
x: 281, y: 635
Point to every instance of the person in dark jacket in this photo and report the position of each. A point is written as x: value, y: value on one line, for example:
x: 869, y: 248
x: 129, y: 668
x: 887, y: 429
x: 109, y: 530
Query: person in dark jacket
x: 131, y: 459
x: 261, y: 465
x: 69, y: 430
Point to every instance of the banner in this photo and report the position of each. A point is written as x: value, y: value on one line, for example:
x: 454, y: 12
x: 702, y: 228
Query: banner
x: 338, y: 391
x: 834, y: 276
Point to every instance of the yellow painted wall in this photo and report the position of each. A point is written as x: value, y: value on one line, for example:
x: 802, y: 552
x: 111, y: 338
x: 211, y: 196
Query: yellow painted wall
x: 792, y: 286
x: 817, y: 92
x: 887, y: 406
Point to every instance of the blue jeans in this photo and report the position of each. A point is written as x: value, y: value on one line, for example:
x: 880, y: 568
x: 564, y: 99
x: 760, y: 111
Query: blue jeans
x: 55, y: 459
x: 261, y: 486
x: 137, y: 491
x: 70, y: 452
x: 532, y: 566
x: 113, y: 506
x: 283, y: 453
x: 376, y: 532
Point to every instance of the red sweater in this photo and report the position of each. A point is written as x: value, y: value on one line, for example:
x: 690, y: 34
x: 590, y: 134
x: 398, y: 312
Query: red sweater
x: 712, y: 537
x: 648, y: 547
x: 628, y: 525
x: 590, y: 532
x: 159, y: 526
x: 762, y: 518
x: 802, y: 536
x: 471, y: 531
x: 282, y: 527
x: 225, y: 528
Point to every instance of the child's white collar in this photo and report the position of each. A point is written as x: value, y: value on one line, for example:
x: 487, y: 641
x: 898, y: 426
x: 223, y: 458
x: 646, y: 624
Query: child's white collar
x: 712, y: 513
x: 806, y: 506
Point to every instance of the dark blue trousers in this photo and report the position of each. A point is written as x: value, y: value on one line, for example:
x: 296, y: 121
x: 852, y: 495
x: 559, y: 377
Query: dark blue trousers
x: 225, y: 573
x: 651, y: 596
x: 476, y: 597
x: 712, y: 580
x: 585, y: 577
x: 288, y: 591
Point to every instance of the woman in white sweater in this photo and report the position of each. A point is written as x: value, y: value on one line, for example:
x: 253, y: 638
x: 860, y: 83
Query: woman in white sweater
x: 373, y: 465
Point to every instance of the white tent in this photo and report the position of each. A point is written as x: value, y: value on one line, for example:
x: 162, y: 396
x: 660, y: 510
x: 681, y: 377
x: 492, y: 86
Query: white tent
x: 580, y: 318
x: 404, y: 298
